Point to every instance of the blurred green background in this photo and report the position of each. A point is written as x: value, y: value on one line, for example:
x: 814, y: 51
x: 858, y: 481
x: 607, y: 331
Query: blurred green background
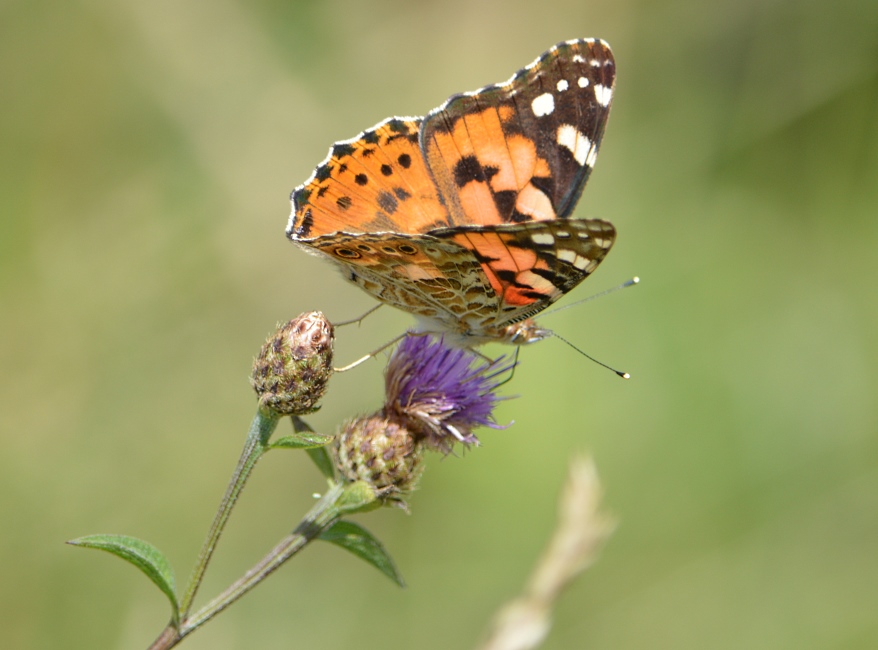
x: 148, y: 151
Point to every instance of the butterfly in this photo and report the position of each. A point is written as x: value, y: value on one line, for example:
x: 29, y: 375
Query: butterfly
x: 463, y: 217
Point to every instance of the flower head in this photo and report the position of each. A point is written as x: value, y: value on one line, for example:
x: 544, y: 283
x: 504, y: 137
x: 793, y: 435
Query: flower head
x: 435, y: 397
x: 439, y: 392
x: 381, y: 452
x: 295, y: 363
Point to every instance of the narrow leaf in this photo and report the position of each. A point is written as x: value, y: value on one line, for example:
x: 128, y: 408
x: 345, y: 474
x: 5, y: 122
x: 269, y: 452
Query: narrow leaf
x: 361, y: 543
x: 324, y: 463
x: 143, y: 555
x: 317, y: 454
x: 304, y: 440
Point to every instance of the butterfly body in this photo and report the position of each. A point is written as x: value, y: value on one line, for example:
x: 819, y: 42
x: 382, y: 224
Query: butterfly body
x: 462, y: 218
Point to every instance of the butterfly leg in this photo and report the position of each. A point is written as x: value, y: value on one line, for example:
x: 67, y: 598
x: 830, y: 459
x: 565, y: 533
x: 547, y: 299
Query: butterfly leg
x: 514, y: 366
x: 373, y: 353
x: 485, y: 357
x: 361, y: 318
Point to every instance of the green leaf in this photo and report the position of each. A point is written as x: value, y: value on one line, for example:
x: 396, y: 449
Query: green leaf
x: 317, y: 454
x: 304, y: 440
x: 324, y: 463
x: 143, y: 555
x: 361, y: 543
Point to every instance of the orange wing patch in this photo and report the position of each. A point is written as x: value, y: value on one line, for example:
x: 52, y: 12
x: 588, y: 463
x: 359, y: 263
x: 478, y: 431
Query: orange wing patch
x: 485, y: 167
x: 375, y: 182
x: 531, y: 265
x: 511, y: 269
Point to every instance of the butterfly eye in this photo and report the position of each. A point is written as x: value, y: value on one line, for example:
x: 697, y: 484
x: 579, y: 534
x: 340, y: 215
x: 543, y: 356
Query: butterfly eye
x: 346, y: 252
x: 408, y: 249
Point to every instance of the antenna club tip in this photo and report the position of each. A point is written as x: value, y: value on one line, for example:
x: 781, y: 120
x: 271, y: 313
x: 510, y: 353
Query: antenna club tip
x: 635, y: 280
x: 624, y: 375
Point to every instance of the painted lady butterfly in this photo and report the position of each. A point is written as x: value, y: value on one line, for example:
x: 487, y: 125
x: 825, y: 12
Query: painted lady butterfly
x: 463, y: 217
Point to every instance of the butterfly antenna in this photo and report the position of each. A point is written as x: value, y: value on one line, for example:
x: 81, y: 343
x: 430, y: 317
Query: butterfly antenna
x: 627, y: 283
x: 623, y: 375
x: 373, y: 353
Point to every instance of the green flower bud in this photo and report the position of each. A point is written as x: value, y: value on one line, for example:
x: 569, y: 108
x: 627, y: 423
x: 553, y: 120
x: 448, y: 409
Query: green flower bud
x: 295, y: 363
x: 382, y: 453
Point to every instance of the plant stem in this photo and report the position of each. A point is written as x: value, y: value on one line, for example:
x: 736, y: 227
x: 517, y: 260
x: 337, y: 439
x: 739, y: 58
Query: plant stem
x: 262, y: 427
x: 324, y: 513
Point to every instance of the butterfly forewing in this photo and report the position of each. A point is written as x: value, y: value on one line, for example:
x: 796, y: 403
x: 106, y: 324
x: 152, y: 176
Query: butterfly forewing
x: 523, y: 150
x: 375, y: 182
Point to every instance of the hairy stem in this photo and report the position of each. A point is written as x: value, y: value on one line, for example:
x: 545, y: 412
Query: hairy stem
x: 325, y: 512
x: 262, y: 427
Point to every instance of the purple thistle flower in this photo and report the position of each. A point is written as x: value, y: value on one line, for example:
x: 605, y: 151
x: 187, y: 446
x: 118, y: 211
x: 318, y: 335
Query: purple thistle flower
x: 439, y: 391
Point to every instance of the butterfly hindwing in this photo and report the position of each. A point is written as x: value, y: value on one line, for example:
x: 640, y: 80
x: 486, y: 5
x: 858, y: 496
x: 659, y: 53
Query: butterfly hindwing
x: 425, y: 275
x: 531, y: 265
x: 497, y: 275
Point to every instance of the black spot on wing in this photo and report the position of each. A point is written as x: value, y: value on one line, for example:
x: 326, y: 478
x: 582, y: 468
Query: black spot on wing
x: 505, y: 202
x: 343, y: 202
x: 301, y: 197
x: 387, y: 202
x: 397, y: 126
x: 404, y: 160
x: 505, y: 275
x: 401, y: 194
x: 323, y: 173
x: 361, y: 179
x: 342, y: 149
x: 467, y: 170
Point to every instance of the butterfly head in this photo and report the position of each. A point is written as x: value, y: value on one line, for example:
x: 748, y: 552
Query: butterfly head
x: 524, y: 332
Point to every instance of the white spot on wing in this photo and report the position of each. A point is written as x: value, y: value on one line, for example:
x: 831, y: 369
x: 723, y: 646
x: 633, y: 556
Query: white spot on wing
x: 603, y: 94
x: 543, y: 105
x: 567, y: 255
x: 543, y: 239
x: 574, y: 141
x: 591, y: 157
x: 583, y: 82
x: 562, y: 85
x: 581, y: 262
x: 577, y: 58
